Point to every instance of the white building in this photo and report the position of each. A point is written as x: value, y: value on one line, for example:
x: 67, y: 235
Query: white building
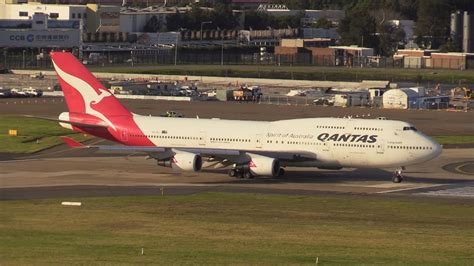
x: 400, y: 98
x: 135, y: 20
x: 38, y: 35
x: 26, y: 11
x: 354, y: 50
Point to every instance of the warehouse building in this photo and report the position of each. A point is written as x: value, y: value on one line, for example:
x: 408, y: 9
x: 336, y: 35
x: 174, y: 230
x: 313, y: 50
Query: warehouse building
x: 400, y: 98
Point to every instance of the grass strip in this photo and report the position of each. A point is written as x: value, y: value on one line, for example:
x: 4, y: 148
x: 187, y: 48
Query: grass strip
x: 302, y: 72
x: 33, y: 134
x: 454, y: 139
x: 226, y: 228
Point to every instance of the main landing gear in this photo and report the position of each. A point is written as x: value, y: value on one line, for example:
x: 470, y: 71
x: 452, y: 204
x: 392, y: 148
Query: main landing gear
x: 240, y: 172
x: 244, y: 172
x: 398, y: 175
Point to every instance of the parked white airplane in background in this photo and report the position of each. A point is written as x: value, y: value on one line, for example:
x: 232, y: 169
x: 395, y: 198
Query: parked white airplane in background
x: 252, y: 148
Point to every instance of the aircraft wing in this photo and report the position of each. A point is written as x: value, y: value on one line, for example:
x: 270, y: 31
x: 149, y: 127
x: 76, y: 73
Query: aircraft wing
x: 163, y: 153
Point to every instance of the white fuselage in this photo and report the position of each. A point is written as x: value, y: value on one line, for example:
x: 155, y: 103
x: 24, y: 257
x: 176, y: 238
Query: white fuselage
x: 334, y: 142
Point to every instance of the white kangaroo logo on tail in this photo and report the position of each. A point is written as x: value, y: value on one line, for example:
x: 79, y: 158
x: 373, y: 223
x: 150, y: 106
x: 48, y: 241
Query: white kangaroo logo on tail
x: 90, y: 96
x: 103, y: 93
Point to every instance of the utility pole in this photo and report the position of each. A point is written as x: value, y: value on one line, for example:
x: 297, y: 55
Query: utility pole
x: 202, y: 24
x: 176, y: 51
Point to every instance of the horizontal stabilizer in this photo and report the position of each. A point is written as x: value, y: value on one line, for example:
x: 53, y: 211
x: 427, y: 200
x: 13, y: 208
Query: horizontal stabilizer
x: 77, y: 124
x: 71, y: 143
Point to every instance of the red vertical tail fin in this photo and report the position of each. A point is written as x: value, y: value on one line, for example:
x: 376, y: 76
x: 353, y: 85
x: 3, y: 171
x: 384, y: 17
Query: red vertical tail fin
x: 82, y: 91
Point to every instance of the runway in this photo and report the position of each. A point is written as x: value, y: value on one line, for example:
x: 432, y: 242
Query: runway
x: 66, y: 173
x: 62, y: 172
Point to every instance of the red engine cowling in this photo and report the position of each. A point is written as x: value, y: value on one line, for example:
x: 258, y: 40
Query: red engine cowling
x: 264, y: 166
x: 184, y: 161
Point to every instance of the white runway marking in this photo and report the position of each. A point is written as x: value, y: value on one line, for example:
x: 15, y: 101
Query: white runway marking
x: 409, y: 188
x: 390, y: 185
x: 466, y: 191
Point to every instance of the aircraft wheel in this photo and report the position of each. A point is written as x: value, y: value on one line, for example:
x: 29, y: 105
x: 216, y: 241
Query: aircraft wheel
x: 232, y: 173
x: 397, y: 179
x: 248, y: 175
x: 281, y: 172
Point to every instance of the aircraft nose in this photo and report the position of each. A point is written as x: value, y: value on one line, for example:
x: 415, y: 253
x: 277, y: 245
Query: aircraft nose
x: 436, y: 149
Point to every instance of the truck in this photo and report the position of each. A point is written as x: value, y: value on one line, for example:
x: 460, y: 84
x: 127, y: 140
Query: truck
x: 30, y: 92
x: 246, y: 94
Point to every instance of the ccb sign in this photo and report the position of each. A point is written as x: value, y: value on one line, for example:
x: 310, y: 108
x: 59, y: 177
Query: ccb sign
x: 19, y: 38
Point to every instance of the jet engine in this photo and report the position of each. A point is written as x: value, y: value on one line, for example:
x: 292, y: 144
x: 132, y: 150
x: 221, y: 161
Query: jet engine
x: 264, y: 166
x: 184, y: 161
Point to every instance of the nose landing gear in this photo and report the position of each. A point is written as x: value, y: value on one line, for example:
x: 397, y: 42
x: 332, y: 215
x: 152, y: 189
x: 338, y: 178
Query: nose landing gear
x: 398, y: 175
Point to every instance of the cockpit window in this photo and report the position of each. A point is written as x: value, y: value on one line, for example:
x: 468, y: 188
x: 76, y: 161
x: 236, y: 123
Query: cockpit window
x: 409, y: 128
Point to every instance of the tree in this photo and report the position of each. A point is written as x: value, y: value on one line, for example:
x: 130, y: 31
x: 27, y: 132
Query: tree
x: 261, y: 21
x: 432, y: 26
x: 221, y: 17
x: 358, y: 27
x: 324, y: 23
x: 152, y: 25
x: 389, y: 37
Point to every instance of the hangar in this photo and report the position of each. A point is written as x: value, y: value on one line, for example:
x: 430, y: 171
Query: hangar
x: 400, y: 98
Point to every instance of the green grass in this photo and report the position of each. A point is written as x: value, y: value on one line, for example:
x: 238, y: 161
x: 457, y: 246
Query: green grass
x: 225, y: 228
x: 454, y: 139
x: 33, y: 134
x: 302, y: 72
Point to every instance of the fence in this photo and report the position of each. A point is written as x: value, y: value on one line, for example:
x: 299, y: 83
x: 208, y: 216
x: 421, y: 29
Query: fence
x: 30, y: 59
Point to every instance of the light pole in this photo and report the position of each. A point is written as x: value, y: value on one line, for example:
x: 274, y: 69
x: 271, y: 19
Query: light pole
x: 222, y: 47
x: 202, y: 24
x: 24, y: 51
x: 176, y: 50
x: 5, y: 56
x: 176, y: 46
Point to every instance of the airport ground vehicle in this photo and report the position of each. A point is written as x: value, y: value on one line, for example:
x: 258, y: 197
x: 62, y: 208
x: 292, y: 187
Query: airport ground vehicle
x: 4, y: 93
x: 324, y: 101
x: 461, y: 93
x: 18, y: 93
x: 246, y: 94
x: 250, y: 148
x: 171, y: 114
x: 30, y: 92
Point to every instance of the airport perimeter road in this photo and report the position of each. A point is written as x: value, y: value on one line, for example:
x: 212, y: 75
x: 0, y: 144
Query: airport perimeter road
x: 428, y: 121
x: 451, y: 175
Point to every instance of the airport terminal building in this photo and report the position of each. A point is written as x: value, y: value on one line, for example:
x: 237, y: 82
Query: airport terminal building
x: 40, y: 32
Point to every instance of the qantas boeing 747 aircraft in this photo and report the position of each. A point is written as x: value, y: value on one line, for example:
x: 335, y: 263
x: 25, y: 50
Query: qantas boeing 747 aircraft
x: 251, y: 148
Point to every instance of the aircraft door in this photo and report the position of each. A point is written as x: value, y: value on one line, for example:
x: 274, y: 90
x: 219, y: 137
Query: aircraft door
x: 258, y: 141
x: 202, y: 138
x: 326, y: 146
x: 380, y: 146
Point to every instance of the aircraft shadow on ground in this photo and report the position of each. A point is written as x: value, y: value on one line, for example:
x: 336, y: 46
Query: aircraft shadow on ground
x: 327, y: 177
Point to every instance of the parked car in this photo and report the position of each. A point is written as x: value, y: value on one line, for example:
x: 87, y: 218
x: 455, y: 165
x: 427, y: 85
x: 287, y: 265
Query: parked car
x: 324, y: 101
x: 5, y: 93
x: 5, y: 71
x: 18, y: 93
x: 30, y: 92
x: 171, y: 114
